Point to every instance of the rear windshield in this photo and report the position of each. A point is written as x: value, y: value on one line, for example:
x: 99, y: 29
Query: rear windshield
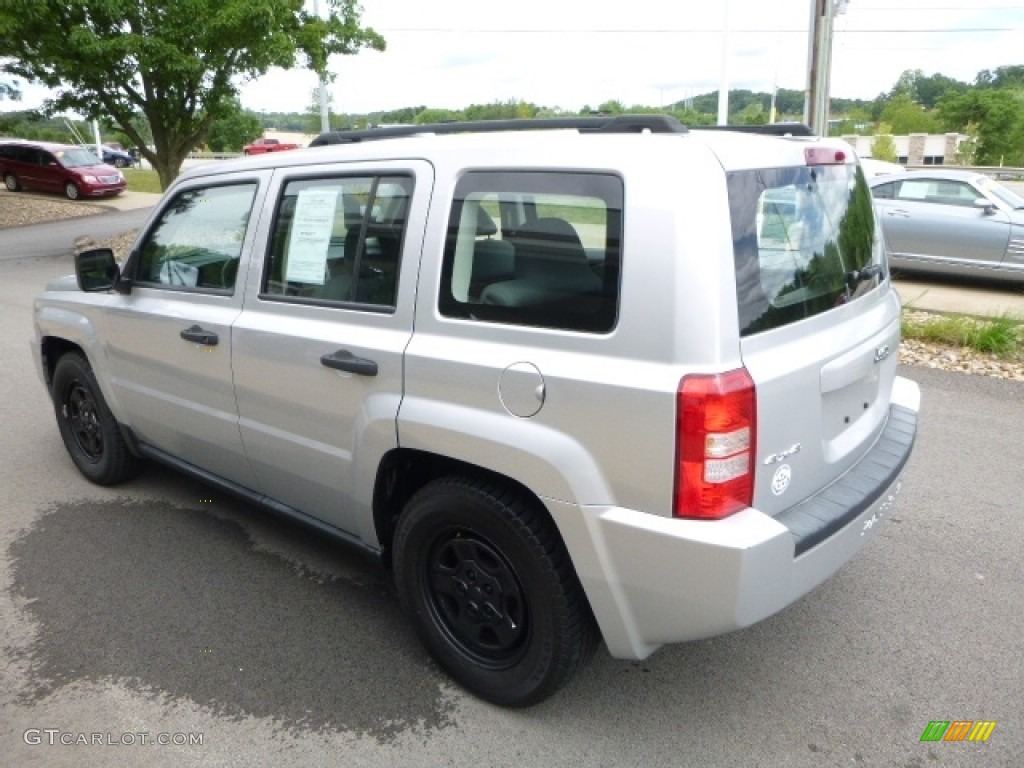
x: 805, y: 240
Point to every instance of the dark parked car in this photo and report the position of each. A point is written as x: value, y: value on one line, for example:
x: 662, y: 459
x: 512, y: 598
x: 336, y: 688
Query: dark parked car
x: 951, y: 222
x: 72, y: 170
x: 116, y: 156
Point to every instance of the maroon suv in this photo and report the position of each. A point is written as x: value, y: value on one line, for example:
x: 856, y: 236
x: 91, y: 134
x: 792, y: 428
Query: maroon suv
x: 74, y: 171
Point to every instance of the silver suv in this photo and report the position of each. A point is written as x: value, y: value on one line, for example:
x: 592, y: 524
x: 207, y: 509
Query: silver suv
x: 570, y: 380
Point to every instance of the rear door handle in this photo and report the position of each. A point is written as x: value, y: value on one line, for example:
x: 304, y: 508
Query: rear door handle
x: 343, y: 360
x: 899, y: 212
x: 199, y: 336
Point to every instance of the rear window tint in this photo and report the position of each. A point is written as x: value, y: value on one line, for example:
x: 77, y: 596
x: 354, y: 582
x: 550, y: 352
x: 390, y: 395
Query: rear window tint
x: 802, y: 237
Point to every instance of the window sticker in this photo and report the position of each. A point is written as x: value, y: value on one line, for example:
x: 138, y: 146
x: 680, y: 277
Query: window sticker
x: 311, y: 235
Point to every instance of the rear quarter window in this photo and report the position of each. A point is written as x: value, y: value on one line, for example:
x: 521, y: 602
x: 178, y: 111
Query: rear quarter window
x: 540, y: 249
x: 801, y: 238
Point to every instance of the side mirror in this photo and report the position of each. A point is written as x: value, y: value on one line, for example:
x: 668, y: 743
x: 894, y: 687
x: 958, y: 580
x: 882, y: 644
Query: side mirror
x: 987, y: 206
x: 96, y: 270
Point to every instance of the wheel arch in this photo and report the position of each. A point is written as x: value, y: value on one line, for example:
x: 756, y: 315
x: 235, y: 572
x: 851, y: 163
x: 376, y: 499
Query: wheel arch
x: 403, y: 471
x: 51, y: 350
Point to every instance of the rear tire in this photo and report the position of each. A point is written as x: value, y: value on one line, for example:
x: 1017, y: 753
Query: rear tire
x: 11, y: 182
x: 90, y: 432
x: 71, y: 191
x: 491, y: 590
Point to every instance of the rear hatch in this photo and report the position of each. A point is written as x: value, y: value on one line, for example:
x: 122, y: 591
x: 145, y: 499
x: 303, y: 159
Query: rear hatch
x: 819, y: 321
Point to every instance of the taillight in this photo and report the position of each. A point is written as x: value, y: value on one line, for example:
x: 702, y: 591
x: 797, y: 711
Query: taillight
x: 716, y: 439
x: 825, y: 156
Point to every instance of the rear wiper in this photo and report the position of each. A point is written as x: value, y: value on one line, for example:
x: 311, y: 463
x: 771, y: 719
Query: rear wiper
x: 857, y: 276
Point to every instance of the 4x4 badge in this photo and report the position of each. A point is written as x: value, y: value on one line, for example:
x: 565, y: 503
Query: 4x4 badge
x: 775, y: 458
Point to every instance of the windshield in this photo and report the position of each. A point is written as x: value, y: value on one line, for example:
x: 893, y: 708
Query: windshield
x: 76, y: 158
x: 805, y: 240
x: 1005, y: 194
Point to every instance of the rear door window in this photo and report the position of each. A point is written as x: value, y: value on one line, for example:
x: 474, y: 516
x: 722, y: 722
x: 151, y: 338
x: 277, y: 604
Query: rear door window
x: 339, y: 240
x: 805, y: 241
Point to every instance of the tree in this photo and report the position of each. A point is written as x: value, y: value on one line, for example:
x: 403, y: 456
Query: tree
x: 906, y: 116
x: 177, y: 63
x: 883, y: 147
x: 235, y: 129
x: 1001, y: 77
x: 997, y: 115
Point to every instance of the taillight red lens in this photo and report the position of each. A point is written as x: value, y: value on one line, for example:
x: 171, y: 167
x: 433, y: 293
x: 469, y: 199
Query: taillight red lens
x: 716, y: 431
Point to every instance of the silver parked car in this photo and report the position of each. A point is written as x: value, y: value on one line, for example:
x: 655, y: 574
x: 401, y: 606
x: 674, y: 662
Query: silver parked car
x: 951, y: 222
x: 569, y: 380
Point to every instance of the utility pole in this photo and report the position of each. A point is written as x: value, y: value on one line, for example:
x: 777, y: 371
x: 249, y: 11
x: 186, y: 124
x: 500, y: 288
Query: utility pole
x: 325, y: 121
x: 819, y: 62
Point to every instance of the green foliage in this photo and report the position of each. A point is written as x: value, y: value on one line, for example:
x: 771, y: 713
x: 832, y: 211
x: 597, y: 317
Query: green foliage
x: 1002, y: 336
x: 905, y: 116
x: 752, y: 114
x: 925, y: 91
x: 437, y: 116
x: 142, y: 180
x: 177, y: 63
x: 997, y: 116
x: 884, y: 148
x: 501, y: 110
x: 1001, y: 77
x: 235, y: 129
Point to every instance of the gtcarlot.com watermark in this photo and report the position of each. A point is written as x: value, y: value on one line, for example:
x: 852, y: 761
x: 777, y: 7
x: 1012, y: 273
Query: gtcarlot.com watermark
x: 56, y: 736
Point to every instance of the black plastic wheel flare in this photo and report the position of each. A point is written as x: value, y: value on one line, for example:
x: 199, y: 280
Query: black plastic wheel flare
x: 81, y: 413
x: 477, y: 599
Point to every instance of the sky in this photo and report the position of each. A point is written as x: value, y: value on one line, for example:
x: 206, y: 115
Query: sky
x: 575, y: 53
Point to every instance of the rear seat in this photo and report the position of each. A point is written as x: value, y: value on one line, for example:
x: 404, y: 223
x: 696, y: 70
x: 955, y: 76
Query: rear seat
x: 550, y: 264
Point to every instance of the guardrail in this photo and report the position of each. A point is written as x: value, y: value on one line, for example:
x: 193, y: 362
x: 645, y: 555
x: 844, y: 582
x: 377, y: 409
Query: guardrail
x: 995, y: 171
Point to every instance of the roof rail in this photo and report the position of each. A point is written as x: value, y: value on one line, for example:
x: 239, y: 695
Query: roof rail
x: 616, y: 124
x: 774, y: 129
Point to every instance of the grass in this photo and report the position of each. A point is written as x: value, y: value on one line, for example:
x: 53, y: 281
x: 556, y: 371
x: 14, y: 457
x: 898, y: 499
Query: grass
x: 1001, y: 336
x: 140, y: 180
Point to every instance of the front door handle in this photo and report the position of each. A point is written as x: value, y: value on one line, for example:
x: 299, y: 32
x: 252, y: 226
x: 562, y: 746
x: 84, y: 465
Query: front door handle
x: 343, y: 360
x: 199, y: 336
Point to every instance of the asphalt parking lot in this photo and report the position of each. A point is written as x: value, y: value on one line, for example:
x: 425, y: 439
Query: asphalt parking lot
x: 159, y: 610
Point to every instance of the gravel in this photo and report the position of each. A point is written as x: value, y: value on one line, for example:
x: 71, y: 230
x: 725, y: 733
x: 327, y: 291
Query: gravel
x: 21, y: 209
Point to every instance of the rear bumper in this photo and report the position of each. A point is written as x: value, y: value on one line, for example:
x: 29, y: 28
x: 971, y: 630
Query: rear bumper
x: 653, y: 580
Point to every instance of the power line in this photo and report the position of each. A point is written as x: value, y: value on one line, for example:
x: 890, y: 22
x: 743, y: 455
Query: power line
x: 567, y: 31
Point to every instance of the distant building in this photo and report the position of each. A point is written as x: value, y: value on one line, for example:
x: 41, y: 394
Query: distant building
x: 916, y: 148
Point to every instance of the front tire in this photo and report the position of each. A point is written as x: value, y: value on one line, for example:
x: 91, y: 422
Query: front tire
x: 11, y: 182
x: 71, y: 191
x: 90, y: 432
x: 491, y: 590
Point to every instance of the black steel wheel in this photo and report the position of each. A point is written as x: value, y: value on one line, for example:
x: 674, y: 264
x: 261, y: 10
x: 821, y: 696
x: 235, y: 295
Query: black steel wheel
x: 90, y: 433
x: 491, y: 590
x: 71, y: 191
